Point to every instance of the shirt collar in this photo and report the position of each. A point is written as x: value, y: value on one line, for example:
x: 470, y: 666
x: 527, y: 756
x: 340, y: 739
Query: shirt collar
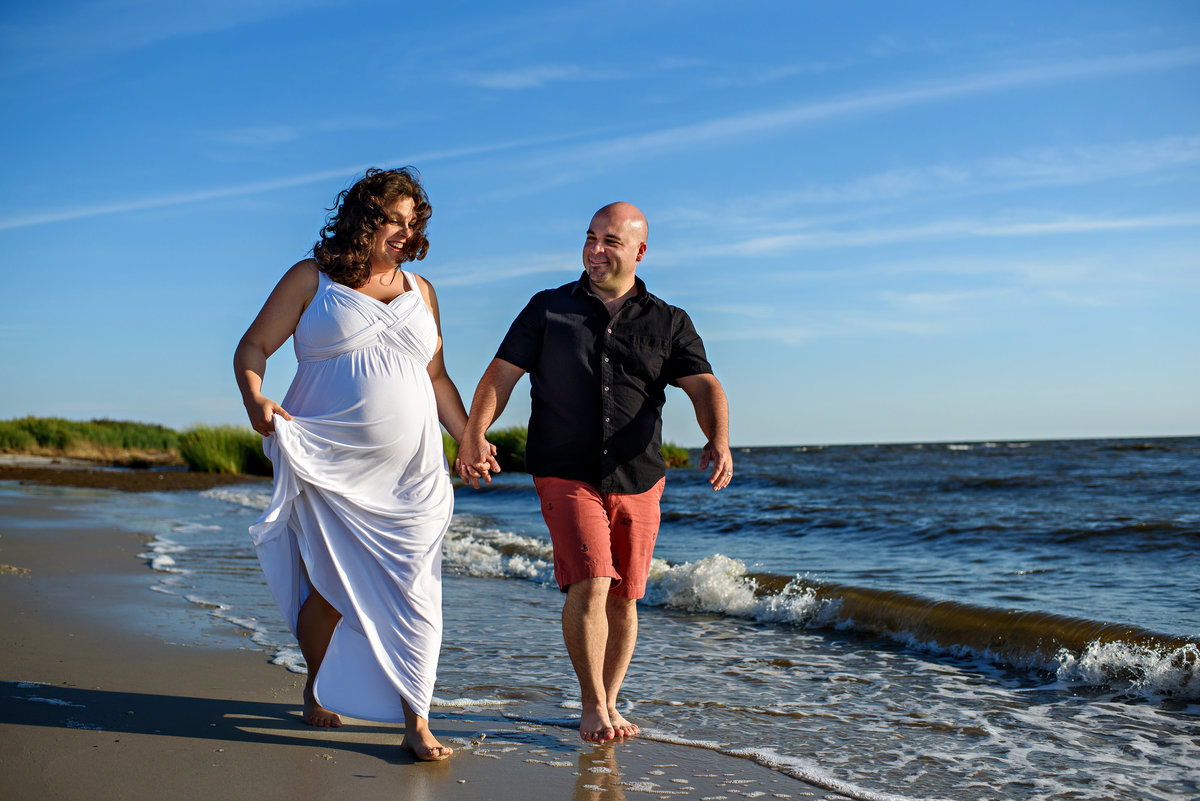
x: 581, y: 286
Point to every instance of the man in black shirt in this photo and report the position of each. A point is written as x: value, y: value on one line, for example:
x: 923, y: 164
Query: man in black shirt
x: 599, y: 352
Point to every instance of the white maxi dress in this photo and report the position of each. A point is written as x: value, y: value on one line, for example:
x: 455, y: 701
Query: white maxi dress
x: 362, y: 498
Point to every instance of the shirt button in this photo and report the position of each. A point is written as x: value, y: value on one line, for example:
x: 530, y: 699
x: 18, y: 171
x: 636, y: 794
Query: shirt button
x: 610, y: 330
x: 606, y: 451
x: 608, y: 419
x: 606, y: 359
x: 606, y: 389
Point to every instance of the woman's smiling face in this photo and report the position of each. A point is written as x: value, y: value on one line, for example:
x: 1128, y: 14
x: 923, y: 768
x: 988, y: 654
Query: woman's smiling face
x: 391, y: 239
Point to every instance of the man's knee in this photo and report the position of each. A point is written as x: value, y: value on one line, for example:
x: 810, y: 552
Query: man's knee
x: 590, y: 590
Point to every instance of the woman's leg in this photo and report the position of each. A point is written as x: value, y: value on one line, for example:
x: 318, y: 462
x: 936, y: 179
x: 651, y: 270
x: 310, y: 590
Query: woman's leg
x: 419, y: 739
x: 314, y: 628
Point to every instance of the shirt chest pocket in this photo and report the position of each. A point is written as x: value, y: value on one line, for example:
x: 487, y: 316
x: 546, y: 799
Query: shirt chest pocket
x: 638, y: 356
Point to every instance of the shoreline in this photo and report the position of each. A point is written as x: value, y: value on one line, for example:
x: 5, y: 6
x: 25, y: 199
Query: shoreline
x: 94, y: 706
x: 90, y: 475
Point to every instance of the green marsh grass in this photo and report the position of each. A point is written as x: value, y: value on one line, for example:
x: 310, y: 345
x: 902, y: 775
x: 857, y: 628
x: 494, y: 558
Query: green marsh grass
x: 224, y: 449
x: 207, y: 449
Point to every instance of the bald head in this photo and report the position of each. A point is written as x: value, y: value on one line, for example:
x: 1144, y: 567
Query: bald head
x: 627, y: 216
x: 616, y: 242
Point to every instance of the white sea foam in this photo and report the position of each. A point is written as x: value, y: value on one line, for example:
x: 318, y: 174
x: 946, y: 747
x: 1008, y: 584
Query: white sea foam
x: 462, y: 703
x: 494, y: 553
x: 193, y: 527
x: 719, y: 584
x: 37, y: 699
x: 1150, y: 672
x: 198, y: 600
x: 791, y: 766
x: 290, y: 658
x: 161, y: 556
x: 251, y: 497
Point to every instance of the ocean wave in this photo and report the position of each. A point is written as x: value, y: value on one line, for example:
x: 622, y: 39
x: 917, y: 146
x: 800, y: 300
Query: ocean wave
x: 250, y: 497
x: 1083, y: 652
x: 490, y: 552
x: 1075, y: 651
x: 984, y: 483
x: 1133, y: 534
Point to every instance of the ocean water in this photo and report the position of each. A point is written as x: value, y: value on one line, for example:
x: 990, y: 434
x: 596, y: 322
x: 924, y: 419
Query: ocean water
x: 1010, y: 620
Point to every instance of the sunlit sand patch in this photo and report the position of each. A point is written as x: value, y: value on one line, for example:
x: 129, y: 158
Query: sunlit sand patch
x: 12, y: 570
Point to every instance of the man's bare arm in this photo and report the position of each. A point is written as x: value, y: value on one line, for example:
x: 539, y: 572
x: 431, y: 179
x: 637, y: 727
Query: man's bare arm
x: 712, y: 413
x: 491, y: 396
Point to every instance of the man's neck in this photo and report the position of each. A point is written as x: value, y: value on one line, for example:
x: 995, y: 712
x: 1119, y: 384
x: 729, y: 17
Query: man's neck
x: 613, y: 297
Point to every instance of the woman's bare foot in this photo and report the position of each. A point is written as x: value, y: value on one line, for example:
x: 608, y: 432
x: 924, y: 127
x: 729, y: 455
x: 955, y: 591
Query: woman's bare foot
x: 621, y: 726
x: 424, y: 746
x: 317, y: 715
x: 594, y: 725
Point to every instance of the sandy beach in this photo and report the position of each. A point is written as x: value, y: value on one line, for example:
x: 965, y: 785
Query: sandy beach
x: 109, y: 690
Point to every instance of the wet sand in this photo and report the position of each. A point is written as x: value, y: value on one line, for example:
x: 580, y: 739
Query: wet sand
x: 106, y: 693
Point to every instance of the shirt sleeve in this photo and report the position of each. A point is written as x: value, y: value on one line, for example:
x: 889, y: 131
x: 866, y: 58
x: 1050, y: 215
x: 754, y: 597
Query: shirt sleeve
x: 687, y: 350
x: 522, y: 345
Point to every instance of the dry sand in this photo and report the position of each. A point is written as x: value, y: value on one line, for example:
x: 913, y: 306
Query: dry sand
x: 105, y: 693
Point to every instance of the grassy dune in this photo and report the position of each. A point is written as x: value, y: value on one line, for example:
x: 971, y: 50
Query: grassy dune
x: 116, y: 442
x: 202, y: 448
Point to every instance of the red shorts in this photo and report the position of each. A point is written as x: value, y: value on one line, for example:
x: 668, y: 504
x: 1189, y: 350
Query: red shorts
x: 598, y: 534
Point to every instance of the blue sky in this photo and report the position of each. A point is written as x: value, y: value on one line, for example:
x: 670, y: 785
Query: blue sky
x: 889, y: 221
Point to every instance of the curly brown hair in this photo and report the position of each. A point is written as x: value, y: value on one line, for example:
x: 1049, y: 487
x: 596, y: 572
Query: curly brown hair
x: 343, y: 253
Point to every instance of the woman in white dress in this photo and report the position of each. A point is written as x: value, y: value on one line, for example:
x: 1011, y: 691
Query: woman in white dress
x: 351, y: 543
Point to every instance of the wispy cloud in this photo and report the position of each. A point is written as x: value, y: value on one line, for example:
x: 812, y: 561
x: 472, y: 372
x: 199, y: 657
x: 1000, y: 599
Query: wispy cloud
x: 1096, y: 162
x: 831, y: 324
x: 532, y: 77
x: 271, y: 134
x: 950, y: 229
x: 1045, y: 167
x: 739, y: 127
x: 499, y: 271
x: 103, y: 27
x: 253, y: 188
x: 942, y: 302
x: 759, y: 311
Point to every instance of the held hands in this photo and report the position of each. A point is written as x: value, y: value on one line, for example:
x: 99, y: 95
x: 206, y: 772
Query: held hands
x: 262, y: 411
x: 717, y: 455
x: 476, y: 460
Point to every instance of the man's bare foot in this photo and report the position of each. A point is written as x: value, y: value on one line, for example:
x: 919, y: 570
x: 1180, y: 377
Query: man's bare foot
x: 424, y: 746
x: 317, y: 715
x: 595, y: 727
x: 621, y: 726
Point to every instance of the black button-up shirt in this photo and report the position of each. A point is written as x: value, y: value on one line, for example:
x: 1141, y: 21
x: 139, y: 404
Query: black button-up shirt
x: 598, y: 383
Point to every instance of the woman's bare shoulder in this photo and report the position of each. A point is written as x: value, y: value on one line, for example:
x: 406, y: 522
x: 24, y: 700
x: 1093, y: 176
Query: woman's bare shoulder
x: 303, y: 276
x: 422, y: 285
